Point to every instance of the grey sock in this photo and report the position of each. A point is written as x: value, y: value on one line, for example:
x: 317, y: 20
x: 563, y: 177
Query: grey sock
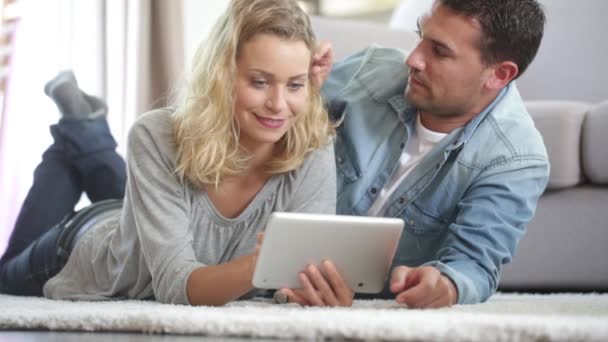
x: 98, y: 107
x: 70, y: 100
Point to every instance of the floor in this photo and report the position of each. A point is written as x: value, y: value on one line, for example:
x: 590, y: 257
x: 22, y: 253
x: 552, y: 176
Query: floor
x: 52, y: 336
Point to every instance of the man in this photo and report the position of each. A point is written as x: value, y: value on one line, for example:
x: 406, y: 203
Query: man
x: 458, y: 157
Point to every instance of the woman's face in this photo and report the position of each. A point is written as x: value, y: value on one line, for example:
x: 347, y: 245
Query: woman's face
x: 271, y: 88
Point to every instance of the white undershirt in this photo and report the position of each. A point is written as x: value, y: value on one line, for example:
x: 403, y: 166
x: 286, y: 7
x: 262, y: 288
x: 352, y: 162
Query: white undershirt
x: 421, y: 142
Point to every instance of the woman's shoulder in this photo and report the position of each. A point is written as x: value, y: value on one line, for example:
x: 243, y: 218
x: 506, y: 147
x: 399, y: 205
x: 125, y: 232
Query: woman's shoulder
x: 312, y: 186
x: 317, y: 164
x: 153, y: 132
x: 323, y: 153
x: 157, y: 119
x: 156, y: 125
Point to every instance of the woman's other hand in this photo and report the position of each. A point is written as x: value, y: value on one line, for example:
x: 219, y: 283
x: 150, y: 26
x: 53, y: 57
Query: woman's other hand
x: 321, y: 286
x: 322, y: 62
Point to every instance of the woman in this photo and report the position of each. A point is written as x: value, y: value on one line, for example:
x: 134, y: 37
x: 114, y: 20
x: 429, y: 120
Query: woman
x: 249, y: 137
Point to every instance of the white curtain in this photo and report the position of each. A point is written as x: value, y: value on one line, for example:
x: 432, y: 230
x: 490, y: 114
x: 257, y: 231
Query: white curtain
x: 144, y: 58
x: 129, y: 52
x: 44, y: 44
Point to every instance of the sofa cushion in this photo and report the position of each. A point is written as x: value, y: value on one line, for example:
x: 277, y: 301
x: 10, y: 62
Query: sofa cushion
x: 595, y: 142
x: 560, y: 124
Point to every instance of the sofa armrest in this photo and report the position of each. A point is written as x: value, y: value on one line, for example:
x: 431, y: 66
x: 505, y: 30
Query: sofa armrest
x: 595, y: 143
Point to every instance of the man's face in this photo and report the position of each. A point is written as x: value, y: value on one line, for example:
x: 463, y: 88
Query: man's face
x: 446, y: 72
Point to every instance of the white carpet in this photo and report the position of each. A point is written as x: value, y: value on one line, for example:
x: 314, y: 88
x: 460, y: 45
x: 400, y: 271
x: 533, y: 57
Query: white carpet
x: 506, y: 317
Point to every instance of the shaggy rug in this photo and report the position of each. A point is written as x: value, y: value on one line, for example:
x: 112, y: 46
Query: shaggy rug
x: 505, y: 317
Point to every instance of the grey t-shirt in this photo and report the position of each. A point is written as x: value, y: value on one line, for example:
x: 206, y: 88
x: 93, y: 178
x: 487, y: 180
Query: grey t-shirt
x: 168, y: 228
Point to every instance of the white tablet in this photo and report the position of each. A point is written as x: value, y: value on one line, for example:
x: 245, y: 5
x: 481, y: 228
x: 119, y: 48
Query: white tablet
x: 361, y: 247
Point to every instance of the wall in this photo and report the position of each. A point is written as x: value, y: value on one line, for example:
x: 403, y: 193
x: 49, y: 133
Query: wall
x: 199, y: 17
x: 355, y: 7
x: 572, y: 61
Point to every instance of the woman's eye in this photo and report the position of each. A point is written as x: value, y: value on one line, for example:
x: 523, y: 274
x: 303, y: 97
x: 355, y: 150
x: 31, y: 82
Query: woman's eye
x: 295, y: 86
x: 258, y: 83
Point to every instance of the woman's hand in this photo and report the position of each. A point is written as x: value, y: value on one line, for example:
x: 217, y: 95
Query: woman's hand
x: 259, y: 238
x: 322, y: 62
x: 322, y: 286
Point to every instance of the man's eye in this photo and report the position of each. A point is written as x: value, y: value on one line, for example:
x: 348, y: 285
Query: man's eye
x: 418, y: 33
x: 439, y: 51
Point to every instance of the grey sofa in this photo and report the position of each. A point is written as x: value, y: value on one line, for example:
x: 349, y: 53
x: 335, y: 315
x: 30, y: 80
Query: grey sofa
x: 566, y: 247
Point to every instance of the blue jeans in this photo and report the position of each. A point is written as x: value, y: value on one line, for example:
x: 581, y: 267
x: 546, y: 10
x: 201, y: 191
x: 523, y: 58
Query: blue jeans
x: 81, y: 159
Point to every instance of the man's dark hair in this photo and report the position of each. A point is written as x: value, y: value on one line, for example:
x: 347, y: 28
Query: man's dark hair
x: 512, y: 29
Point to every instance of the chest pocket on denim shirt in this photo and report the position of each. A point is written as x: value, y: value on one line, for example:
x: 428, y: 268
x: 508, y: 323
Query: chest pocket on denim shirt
x: 422, y: 236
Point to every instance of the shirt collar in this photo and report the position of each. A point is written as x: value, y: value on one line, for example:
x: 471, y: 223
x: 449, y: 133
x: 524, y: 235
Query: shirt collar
x: 470, y: 128
x: 407, y: 113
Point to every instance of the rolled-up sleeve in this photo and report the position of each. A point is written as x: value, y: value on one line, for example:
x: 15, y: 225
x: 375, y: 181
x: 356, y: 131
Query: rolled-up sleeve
x: 492, y: 219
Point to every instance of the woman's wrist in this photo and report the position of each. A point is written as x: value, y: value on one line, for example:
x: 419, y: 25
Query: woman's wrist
x: 248, y: 267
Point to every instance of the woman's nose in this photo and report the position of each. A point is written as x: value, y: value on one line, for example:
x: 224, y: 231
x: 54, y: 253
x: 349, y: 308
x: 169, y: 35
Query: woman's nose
x: 276, y: 101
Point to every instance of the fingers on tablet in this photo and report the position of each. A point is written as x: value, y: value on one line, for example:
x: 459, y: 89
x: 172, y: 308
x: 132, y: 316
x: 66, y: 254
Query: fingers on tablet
x: 338, y: 284
x: 259, y: 238
x: 310, y: 292
x: 398, y: 278
x: 320, y: 282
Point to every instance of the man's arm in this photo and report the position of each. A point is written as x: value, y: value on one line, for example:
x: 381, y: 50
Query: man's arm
x: 492, y: 218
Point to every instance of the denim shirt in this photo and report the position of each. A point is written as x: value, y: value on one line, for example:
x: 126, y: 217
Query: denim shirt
x: 467, y: 203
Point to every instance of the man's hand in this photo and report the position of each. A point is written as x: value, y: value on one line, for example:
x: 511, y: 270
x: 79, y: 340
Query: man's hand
x: 322, y: 62
x: 422, y: 287
x: 320, y: 287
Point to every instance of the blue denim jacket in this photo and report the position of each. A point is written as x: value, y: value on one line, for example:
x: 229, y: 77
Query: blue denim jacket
x: 467, y: 203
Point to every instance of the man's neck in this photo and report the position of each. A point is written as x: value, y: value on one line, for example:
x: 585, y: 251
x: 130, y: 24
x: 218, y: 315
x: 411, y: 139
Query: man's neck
x: 442, y: 124
x: 448, y: 123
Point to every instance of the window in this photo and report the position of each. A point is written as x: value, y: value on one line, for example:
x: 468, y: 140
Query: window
x: 8, y: 24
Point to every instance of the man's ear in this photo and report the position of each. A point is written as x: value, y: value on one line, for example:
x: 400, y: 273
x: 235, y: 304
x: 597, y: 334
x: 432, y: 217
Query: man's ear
x: 502, y: 74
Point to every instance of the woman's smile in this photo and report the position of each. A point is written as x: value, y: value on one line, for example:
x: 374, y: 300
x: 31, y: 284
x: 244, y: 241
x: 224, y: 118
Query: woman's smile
x: 270, y: 122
